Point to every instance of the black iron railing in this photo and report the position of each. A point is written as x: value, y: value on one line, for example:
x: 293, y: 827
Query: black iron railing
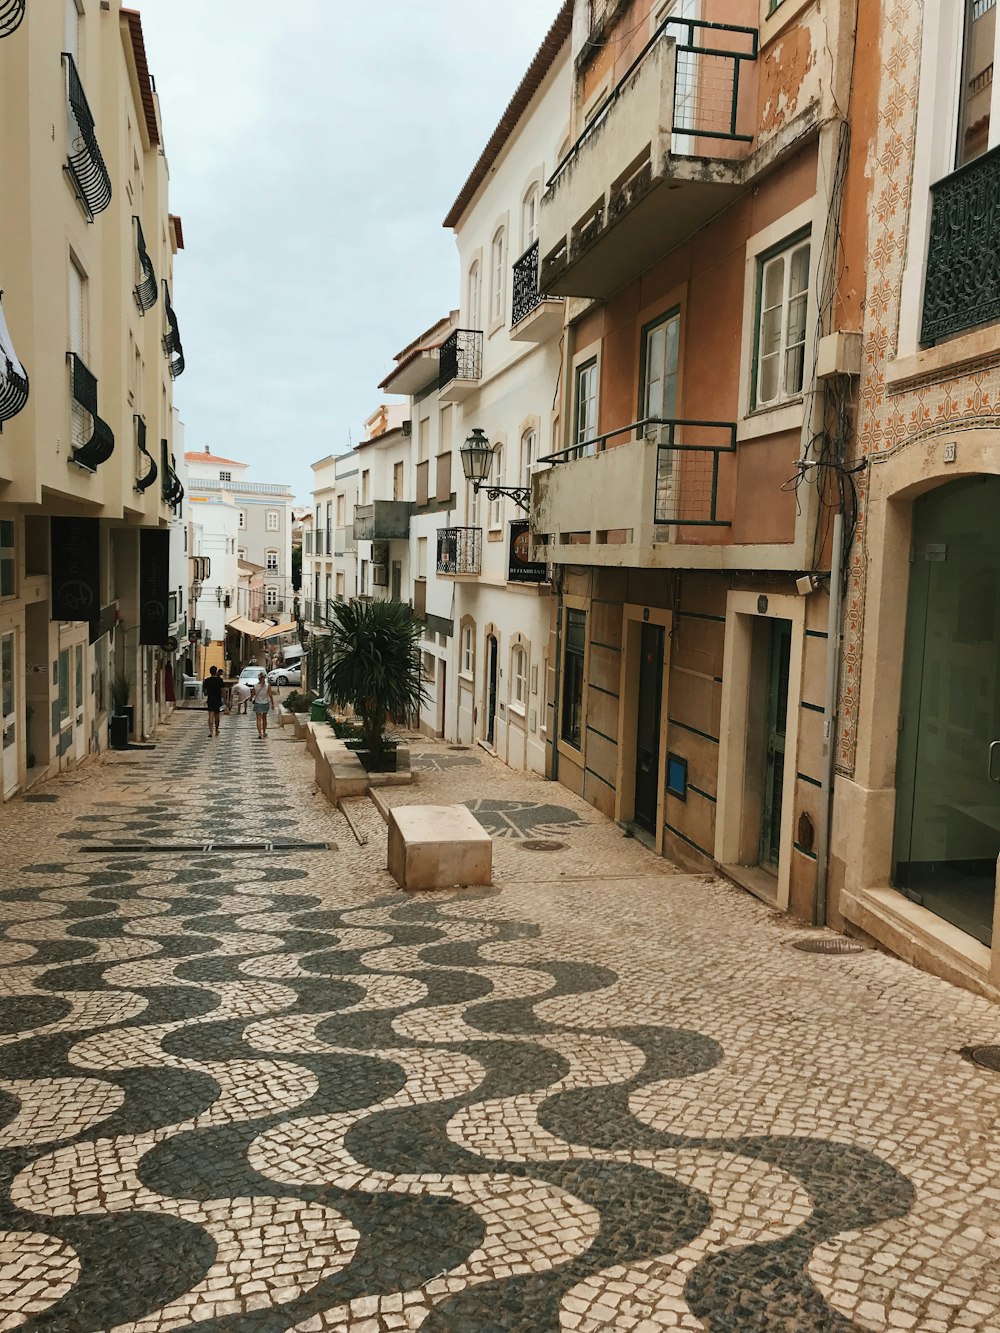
x: 170, y: 484
x: 11, y: 14
x: 461, y: 357
x: 687, y: 465
x: 145, y: 290
x: 172, y: 339
x: 706, y: 82
x: 145, y: 479
x: 84, y: 160
x: 962, y: 282
x: 526, y: 294
x: 14, y: 385
x: 99, y: 445
x: 459, y: 550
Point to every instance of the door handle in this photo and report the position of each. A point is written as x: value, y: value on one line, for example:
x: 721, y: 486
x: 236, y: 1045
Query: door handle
x: 989, y: 761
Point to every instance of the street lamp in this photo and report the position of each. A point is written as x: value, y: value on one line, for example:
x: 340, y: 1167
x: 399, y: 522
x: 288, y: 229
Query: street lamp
x: 477, y: 461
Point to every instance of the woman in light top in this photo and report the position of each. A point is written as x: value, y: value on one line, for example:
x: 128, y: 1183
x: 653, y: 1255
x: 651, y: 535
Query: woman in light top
x: 263, y: 701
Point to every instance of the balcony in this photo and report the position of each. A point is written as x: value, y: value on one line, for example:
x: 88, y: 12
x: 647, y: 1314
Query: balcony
x: 13, y: 376
x: 385, y: 520
x: 962, y: 283
x: 11, y: 14
x: 172, y: 348
x: 344, y: 540
x: 660, y: 158
x: 534, y: 318
x: 609, y: 503
x: 93, y: 440
x: 146, y: 469
x: 170, y: 484
x: 145, y: 290
x: 461, y: 365
x: 84, y: 162
x: 459, y: 552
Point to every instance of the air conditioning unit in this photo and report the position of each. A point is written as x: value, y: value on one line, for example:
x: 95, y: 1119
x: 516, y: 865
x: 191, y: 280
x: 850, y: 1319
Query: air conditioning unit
x: 380, y: 575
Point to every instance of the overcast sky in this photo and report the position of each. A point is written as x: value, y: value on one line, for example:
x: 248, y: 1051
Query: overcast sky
x: 314, y: 150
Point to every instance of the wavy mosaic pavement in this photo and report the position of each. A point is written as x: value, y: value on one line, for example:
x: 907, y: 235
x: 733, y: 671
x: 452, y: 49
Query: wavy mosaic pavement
x: 228, y: 1099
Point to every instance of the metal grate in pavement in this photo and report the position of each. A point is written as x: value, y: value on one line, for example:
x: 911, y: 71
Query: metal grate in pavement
x: 542, y: 845
x: 987, y: 1057
x: 838, y: 945
x: 38, y: 797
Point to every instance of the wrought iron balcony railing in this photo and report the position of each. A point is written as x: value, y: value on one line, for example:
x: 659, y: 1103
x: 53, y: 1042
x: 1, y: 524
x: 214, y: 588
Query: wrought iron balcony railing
x: 461, y: 357
x: 170, y: 484
x: 93, y: 439
x: 459, y: 551
x: 706, y: 84
x: 526, y: 294
x: 84, y: 160
x: 172, y: 339
x: 11, y: 14
x: 687, y: 465
x: 145, y: 479
x: 145, y: 290
x: 13, y: 376
x: 962, y: 282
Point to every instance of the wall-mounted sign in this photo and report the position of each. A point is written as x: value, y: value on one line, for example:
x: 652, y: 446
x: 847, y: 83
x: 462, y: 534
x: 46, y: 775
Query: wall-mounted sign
x: 520, y: 566
x: 154, y: 585
x: 76, y: 568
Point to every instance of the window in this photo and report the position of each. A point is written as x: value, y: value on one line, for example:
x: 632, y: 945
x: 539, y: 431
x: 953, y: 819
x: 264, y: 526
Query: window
x: 225, y: 476
x: 366, y: 487
x: 976, y: 89
x: 468, y: 651
x: 341, y: 510
x: 340, y: 585
x: 329, y: 585
x: 585, y: 408
x: 271, y: 596
x: 474, y: 301
x: 497, y: 276
x: 529, y: 219
x: 428, y: 664
x: 363, y: 578
x: 659, y: 368
x: 271, y: 561
x: 397, y: 481
x: 242, y: 553
x: 495, y: 512
x: 574, y: 655
x: 471, y: 505
x: 242, y: 519
x: 7, y: 581
x: 78, y: 313
x: 421, y: 557
x: 782, y: 302
x: 518, y: 678
x: 272, y: 522
x: 72, y: 30
x: 424, y: 440
x: 529, y: 448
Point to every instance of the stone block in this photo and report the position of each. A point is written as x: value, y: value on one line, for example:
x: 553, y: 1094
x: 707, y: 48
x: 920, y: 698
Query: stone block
x: 438, y: 846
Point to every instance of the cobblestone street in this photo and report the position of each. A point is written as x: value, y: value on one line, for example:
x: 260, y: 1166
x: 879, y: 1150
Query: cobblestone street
x: 262, y: 1089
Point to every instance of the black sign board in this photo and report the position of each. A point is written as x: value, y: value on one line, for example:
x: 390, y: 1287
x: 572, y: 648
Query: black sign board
x: 154, y: 585
x: 76, y: 568
x: 104, y: 623
x: 520, y: 566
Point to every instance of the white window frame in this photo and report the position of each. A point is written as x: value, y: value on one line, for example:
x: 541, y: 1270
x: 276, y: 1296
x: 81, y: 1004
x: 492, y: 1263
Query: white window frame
x: 272, y: 521
x: 529, y: 453
x: 498, y: 276
x: 468, y: 661
x: 518, y: 678
x: 785, y: 257
x: 270, y: 596
x: 587, y: 367
x: 495, y: 511
x: 225, y: 476
x: 475, y: 294
x: 242, y: 519
x: 530, y: 206
x: 271, y: 555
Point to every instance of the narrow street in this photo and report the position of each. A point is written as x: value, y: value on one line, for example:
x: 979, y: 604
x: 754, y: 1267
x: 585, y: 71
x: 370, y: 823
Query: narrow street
x: 261, y: 1089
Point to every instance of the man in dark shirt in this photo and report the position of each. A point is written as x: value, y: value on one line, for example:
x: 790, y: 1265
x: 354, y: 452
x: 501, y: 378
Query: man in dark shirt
x: 212, y: 688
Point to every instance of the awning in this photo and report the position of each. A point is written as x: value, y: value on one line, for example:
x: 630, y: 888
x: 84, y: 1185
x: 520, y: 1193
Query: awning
x: 254, y: 629
x: 287, y: 628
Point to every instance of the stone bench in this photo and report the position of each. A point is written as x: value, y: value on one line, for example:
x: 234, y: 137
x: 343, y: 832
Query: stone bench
x: 438, y: 846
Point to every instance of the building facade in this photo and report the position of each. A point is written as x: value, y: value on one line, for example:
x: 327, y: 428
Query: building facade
x: 917, y: 805
x: 89, y: 348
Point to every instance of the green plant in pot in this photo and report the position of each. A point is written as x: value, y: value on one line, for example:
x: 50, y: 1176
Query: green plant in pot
x: 121, y: 712
x: 369, y: 661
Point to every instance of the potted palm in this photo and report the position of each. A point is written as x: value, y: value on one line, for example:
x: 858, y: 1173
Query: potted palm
x: 120, y: 723
x: 369, y: 661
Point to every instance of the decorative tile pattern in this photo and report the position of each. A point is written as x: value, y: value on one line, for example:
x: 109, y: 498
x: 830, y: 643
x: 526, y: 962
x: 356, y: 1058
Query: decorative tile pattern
x: 256, y: 1093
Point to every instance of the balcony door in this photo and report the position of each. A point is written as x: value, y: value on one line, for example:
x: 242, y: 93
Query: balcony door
x: 658, y: 402
x: 492, y: 668
x: 947, y: 835
x: 8, y: 721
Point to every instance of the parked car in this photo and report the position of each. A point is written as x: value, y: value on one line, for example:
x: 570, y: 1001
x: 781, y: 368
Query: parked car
x: 249, y: 675
x: 286, y: 675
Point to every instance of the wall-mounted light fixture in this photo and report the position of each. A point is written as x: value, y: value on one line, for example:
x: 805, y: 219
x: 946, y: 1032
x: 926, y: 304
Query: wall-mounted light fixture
x: 477, y: 462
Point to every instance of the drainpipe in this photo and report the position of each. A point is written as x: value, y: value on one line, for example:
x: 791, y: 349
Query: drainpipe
x: 830, y: 715
x: 558, y: 677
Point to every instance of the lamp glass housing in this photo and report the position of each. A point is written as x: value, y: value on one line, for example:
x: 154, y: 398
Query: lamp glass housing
x: 477, y: 457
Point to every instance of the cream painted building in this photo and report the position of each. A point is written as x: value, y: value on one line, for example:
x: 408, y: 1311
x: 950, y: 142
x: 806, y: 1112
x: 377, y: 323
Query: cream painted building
x: 90, y: 346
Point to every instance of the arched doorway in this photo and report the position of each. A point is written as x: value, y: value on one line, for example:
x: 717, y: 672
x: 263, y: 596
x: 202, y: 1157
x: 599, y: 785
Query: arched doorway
x: 947, y: 832
x: 492, y: 668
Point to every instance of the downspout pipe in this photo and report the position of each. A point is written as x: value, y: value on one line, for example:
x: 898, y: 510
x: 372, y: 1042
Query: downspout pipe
x: 558, y: 674
x: 830, y: 716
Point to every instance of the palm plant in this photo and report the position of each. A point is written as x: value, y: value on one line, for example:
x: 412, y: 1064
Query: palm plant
x: 366, y: 656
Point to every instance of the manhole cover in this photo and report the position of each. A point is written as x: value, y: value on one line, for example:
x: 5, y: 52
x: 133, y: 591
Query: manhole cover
x: 822, y: 945
x: 542, y: 845
x: 988, y: 1057
x: 458, y: 747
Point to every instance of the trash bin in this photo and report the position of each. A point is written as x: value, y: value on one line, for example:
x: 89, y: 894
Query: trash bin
x: 318, y: 713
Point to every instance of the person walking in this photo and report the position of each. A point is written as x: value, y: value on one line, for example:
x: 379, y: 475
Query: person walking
x: 239, y: 697
x: 212, y: 688
x: 263, y: 702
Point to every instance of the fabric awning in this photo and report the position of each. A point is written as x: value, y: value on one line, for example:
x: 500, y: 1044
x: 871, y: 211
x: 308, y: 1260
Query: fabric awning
x: 254, y: 629
x: 287, y: 628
